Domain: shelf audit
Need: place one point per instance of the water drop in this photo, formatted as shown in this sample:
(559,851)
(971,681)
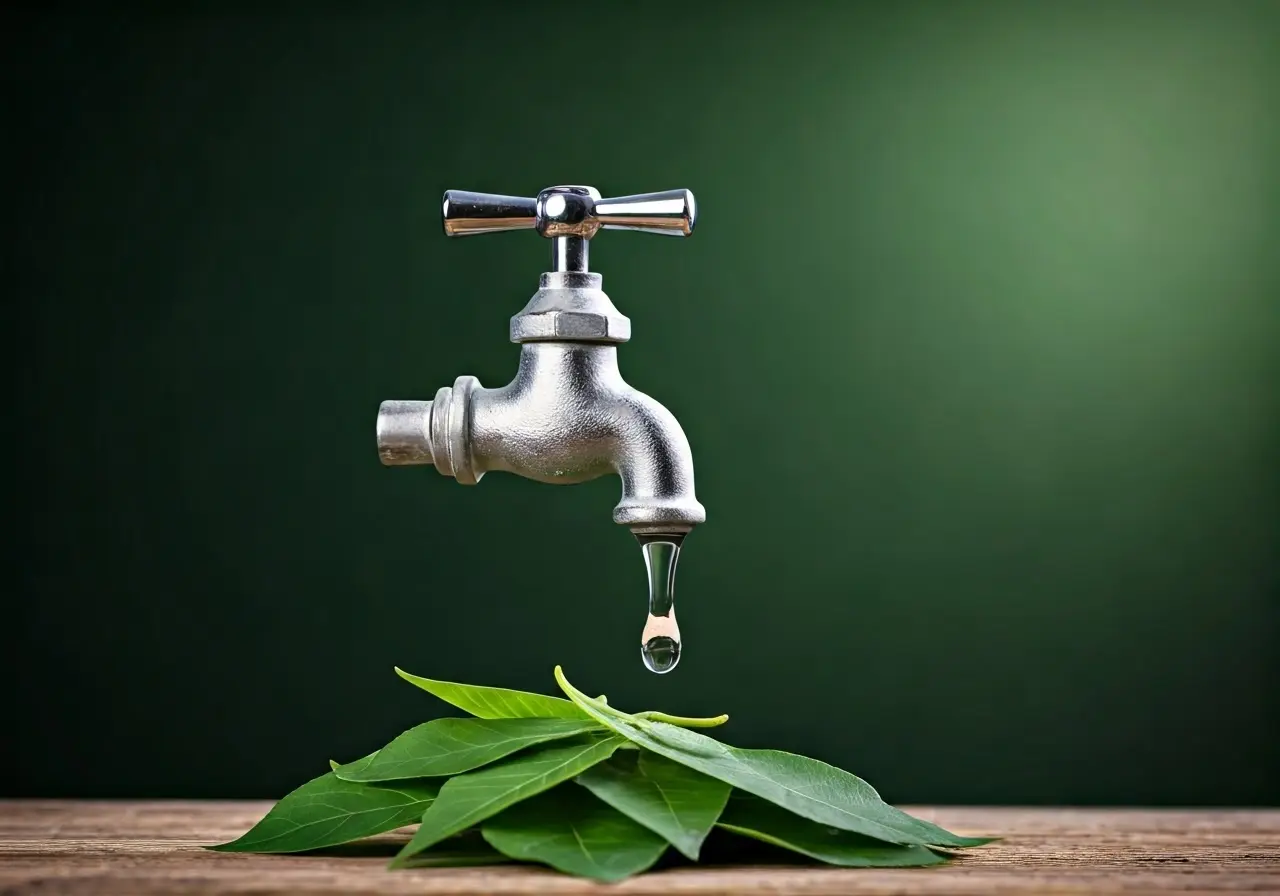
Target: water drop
(660,654)
(660,640)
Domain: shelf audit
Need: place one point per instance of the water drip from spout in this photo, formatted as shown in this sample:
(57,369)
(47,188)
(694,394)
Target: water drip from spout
(660,640)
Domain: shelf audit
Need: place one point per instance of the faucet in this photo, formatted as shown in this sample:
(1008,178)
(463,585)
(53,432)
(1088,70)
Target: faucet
(568,416)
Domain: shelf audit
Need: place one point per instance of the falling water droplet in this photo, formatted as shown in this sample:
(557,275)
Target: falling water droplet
(660,640)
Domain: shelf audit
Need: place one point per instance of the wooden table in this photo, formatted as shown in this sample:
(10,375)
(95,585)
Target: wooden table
(135,849)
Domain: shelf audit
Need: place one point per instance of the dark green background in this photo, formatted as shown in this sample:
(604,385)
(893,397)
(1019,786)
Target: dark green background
(977,346)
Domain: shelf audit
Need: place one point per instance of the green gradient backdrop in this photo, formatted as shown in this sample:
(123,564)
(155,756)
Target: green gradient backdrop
(977,345)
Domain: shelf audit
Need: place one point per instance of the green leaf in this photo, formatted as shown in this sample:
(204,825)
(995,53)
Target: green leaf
(573,832)
(807,787)
(327,811)
(666,797)
(453,746)
(753,817)
(496,703)
(471,798)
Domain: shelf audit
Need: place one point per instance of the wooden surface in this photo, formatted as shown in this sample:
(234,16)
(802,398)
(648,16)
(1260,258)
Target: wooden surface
(146,848)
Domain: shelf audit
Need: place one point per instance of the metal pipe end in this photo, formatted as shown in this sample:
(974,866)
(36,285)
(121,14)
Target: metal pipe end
(404,433)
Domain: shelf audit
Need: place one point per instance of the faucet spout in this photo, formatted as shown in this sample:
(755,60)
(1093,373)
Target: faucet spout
(567,417)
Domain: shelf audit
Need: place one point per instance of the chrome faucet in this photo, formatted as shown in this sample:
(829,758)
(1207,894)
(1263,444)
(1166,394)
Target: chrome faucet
(568,416)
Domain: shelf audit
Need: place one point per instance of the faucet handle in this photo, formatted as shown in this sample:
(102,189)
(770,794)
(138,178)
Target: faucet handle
(467,213)
(569,215)
(670,213)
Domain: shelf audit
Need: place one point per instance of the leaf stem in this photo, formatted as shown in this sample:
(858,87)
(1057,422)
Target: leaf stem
(653,715)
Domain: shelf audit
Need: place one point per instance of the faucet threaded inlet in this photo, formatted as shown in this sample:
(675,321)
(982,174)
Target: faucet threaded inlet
(404,433)
(434,432)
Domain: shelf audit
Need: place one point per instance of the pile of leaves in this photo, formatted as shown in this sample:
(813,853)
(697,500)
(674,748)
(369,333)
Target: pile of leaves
(589,790)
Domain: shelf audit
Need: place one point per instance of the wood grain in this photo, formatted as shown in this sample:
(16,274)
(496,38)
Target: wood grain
(138,849)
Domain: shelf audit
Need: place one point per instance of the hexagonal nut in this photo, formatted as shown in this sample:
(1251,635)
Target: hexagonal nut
(577,326)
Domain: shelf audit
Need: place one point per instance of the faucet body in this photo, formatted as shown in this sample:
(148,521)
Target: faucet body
(568,416)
